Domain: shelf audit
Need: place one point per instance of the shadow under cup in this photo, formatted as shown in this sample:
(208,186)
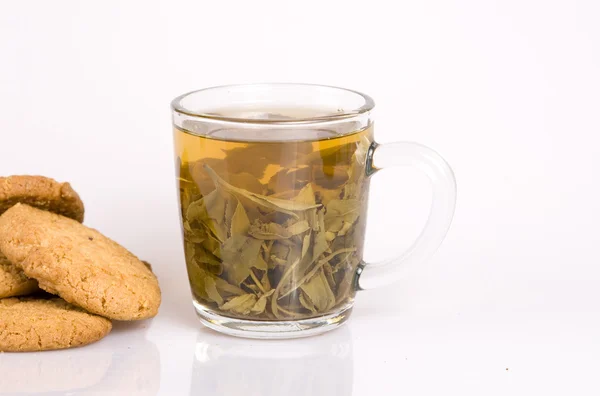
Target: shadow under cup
(273,197)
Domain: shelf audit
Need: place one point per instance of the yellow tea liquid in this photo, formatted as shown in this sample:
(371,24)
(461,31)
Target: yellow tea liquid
(273,230)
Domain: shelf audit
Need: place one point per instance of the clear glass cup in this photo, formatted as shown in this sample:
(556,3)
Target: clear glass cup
(274,182)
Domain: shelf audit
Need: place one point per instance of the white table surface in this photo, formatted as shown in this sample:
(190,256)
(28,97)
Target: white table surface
(437,338)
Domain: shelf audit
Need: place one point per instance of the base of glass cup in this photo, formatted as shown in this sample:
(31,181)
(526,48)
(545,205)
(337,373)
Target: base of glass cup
(284,329)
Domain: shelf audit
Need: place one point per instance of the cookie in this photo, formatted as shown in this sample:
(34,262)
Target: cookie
(79,264)
(13,281)
(147,264)
(36,324)
(41,192)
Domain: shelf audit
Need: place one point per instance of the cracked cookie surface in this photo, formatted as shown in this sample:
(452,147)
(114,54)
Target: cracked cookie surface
(79,264)
(13,281)
(36,324)
(41,192)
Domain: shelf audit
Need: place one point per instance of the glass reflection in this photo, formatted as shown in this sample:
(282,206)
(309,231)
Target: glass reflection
(313,366)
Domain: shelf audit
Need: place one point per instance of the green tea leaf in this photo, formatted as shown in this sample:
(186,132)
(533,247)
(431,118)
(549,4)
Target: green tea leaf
(212,244)
(351,190)
(230,208)
(250,252)
(298,228)
(197,277)
(233,244)
(189,250)
(207,260)
(279,252)
(294,254)
(260,263)
(310,274)
(257,282)
(271,231)
(268,231)
(324,195)
(357,170)
(266,249)
(306,303)
(214,205)
(320,244)
(343,261)
(252,287)
(209,211)
(342,208)
(328,271)
(306,195)
(286,242)
(330,236)
(341,214)
(286,178)
(239,222)
(240,304)
(318,293)
(345,285)
(284,279)
(211,290)
(282,205)
(311,217)
(345,228)
(201,179)
(266,283)
(278,260)
(196,211)
(321,220)
(186,193)
(226,288)
(239,254)
(305,244)
(261,304)
(362,149)
(190,234)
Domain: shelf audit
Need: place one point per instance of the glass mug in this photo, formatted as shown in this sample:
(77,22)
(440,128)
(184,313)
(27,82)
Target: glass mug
(273,182)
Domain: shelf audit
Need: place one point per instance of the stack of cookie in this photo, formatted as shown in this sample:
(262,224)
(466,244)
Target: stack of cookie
(45,248)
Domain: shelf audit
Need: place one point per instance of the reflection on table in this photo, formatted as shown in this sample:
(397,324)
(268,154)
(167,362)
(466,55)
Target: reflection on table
(313,366)
(125,366)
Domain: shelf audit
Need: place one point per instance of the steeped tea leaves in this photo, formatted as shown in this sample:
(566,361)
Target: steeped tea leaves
(274,231)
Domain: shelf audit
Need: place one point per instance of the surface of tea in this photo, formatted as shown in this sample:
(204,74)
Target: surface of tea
(273,230)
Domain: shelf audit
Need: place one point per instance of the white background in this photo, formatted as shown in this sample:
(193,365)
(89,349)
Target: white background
(507,91)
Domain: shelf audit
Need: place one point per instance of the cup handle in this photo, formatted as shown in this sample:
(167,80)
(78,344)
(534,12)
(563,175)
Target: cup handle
(371,275)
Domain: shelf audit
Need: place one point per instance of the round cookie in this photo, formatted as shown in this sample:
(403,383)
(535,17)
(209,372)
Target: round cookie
(35,324)
(13,281)
(147,264)
(41,192)
(79,264)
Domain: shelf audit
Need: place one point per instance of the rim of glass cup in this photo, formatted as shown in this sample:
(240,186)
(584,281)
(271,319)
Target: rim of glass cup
(367,105)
